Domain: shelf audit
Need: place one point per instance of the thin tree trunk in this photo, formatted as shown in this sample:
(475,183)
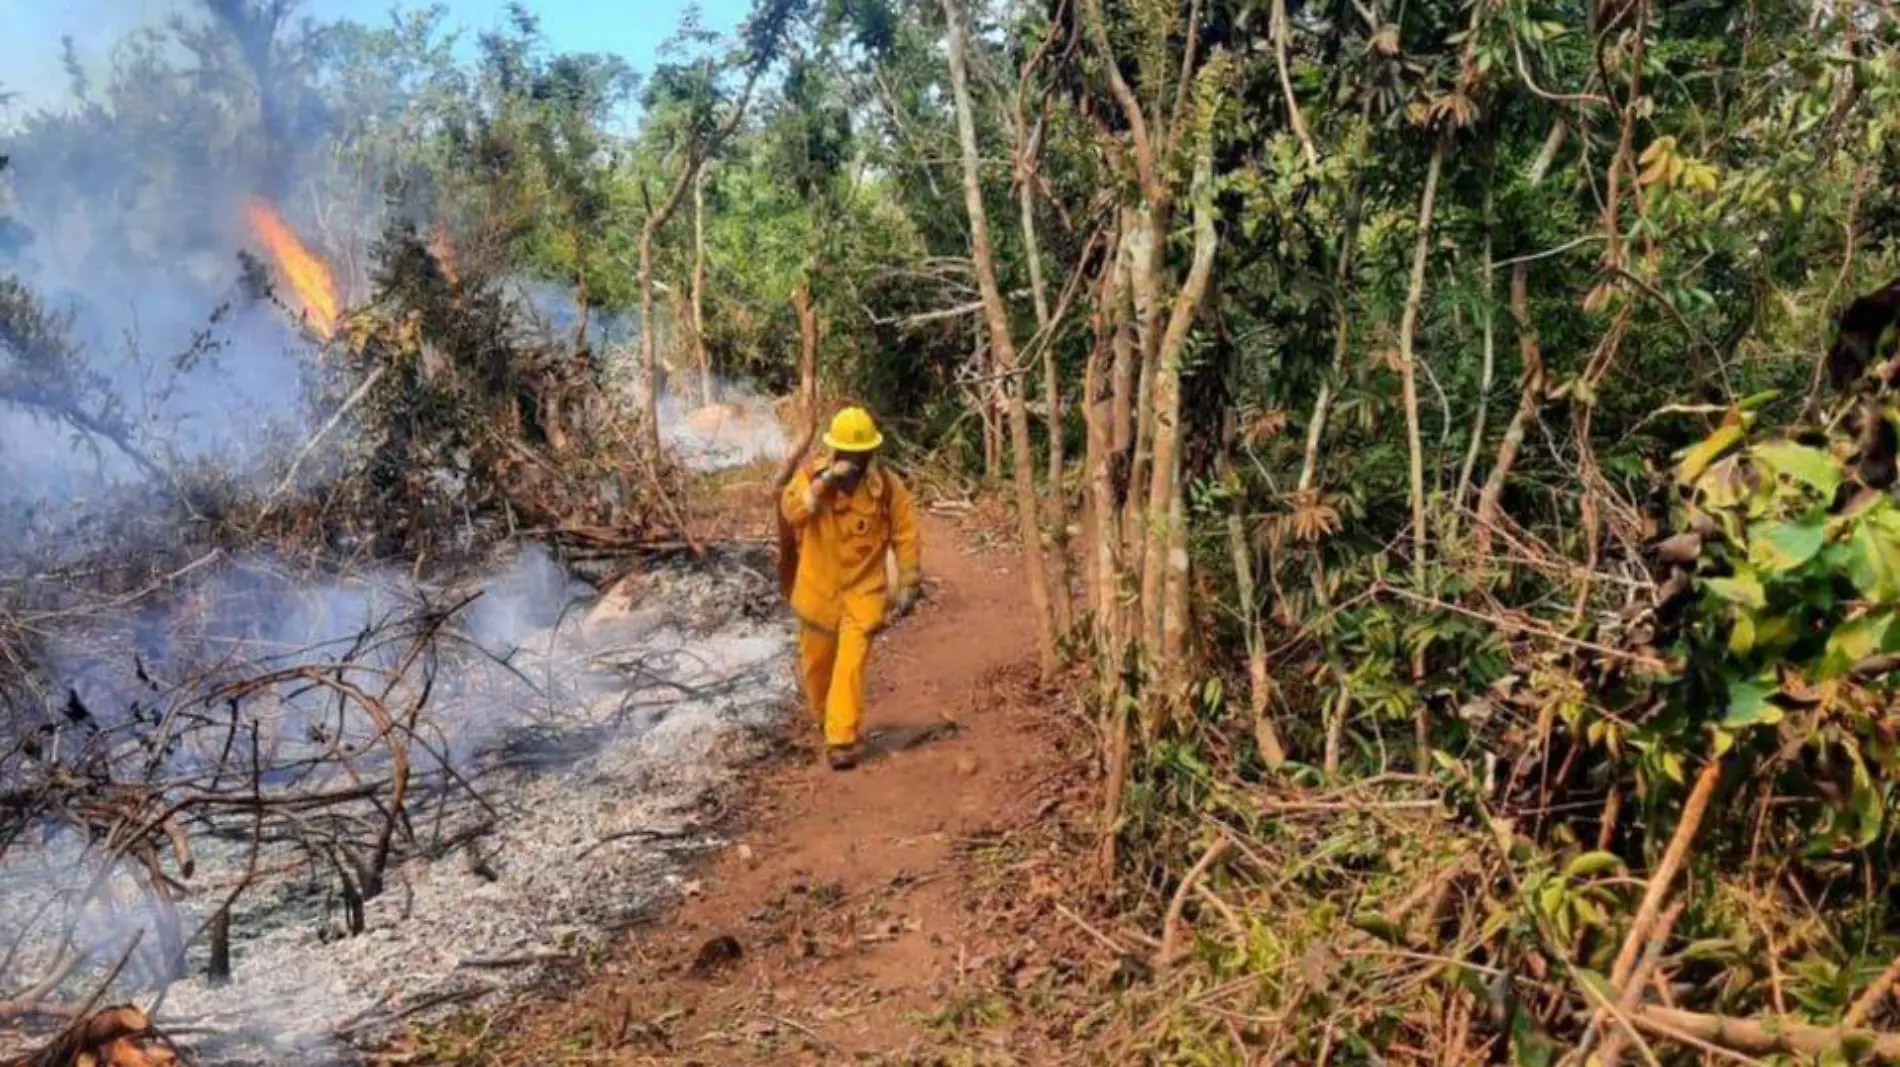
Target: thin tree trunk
(1486,375)
(997,317)
(808,338)
(1530,394)
(1052,396)
(649,354)
(1294,119)
(1105,536)
(657,217)
(1532,380)
(1164,488)
(1111,318)
(1342,334)
(581,298)
(1240,550)
(700,355)
(1150,244)
(1122,421)
(1408,366)
(1105,579)
(1176,609)
(1135,525)
(985,398)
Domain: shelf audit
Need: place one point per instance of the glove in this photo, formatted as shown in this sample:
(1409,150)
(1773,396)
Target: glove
(841,471)
(906,599)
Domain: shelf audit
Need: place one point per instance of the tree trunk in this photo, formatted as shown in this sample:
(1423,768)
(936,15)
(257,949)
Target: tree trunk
(1408,369)
(1122,415)
(657,217)
(997,317)
(581,298)
(808,415)
(808,342)
(700,356)
(649,355)
(1143,298)
(1342,335)
(1114,454)
(1530,393)
(1164,486)
(985,400)
(1246,590)
(1098,413)
(1177,609)
(1486,375)
(1052,396)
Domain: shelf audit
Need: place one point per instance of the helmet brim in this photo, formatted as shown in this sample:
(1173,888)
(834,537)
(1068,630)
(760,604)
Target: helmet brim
(876,442)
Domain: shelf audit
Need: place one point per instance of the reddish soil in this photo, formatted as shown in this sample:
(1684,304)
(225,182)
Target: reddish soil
(864,916)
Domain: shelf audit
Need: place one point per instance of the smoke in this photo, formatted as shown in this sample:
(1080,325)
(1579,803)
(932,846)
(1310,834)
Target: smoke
(550,732)
(130,156)
(122,210)
(739,428)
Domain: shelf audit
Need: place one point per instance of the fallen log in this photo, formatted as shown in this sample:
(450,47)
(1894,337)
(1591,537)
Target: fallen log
(113,1037)
(1767,1036)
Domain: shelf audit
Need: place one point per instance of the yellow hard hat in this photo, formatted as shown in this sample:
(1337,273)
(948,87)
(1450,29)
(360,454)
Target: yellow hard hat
(853,431)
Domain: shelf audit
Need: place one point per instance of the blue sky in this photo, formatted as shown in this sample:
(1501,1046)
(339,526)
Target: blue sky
(30,30)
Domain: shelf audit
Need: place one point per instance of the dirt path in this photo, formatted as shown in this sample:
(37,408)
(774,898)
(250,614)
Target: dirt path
(843,923)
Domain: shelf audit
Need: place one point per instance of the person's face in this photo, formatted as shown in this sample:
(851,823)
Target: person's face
(860,461)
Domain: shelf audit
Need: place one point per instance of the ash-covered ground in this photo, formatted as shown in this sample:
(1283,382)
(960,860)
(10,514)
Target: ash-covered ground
(579,765)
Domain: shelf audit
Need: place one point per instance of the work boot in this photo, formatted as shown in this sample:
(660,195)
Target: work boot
(842,757)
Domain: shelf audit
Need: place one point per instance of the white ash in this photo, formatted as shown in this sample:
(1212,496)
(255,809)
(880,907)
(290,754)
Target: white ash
(599,792)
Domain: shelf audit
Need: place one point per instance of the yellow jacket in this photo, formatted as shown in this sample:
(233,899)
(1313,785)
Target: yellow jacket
(843,541)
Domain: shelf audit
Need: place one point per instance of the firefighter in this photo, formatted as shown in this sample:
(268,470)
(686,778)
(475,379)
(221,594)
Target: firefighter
(859,559)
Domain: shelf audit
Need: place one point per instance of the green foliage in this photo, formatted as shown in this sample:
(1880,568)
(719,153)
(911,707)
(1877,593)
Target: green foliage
(1800,598)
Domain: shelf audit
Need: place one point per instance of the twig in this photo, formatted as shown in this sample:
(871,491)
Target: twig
(801,1028)
(290,476)
(1629,999)
(1505,622)
(1765,1037)
(1673,856)
(523,959)
(1171,925)
(1864,1005)
(1106,941)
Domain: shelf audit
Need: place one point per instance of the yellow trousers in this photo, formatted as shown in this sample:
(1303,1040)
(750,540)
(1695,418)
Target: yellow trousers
(831,666)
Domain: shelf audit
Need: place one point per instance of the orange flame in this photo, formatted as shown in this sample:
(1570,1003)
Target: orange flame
(306,275)
(444,252)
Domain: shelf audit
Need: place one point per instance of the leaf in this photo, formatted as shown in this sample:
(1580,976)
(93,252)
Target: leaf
(1380,927)
(1672,766)
(1744,589)
(1820,471)
(1697,457)
(1591,864)
(1656,170)
(1785,546)
(1852,642)
(1588,913)
(1865,802)
(1748,704)
(1742,638)
(1710,948)
(1724,740)
(1597,982)
(1873,561)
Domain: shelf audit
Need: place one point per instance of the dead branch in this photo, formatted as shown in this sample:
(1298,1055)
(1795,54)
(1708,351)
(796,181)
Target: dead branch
(1766,1036)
